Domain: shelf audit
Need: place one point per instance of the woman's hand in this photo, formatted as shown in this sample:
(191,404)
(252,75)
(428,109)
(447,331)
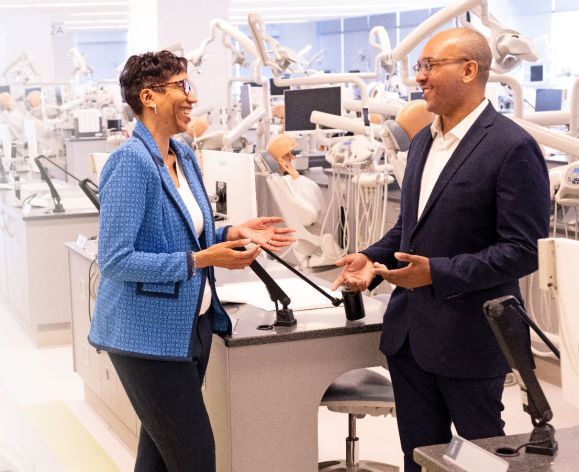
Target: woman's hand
(260,231)
(224,255)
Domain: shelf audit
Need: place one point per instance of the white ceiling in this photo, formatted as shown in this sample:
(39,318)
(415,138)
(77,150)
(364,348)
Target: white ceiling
(284,11)
(114,14)
(75,14)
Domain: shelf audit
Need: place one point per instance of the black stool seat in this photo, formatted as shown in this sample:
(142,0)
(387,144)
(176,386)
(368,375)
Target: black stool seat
(358,393)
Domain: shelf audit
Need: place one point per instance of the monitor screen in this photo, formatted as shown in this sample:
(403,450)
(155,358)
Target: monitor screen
(548,99)
(4,88)
(275,90)
(246,101)
(299,105)
(58,95)
(416,95)
(230,177)
(536,73)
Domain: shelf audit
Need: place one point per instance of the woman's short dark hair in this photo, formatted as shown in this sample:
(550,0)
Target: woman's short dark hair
(144,70)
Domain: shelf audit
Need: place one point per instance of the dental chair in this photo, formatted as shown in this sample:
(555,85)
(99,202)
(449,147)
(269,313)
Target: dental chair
(300,201)
(358,393)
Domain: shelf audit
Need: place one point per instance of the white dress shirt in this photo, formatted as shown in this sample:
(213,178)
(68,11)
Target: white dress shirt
(441,151)
(197,217)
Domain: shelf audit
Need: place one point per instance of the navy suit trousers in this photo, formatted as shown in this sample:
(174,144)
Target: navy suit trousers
(427,404)
(176,434)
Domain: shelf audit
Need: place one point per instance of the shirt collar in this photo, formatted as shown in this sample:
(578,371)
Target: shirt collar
(460,130)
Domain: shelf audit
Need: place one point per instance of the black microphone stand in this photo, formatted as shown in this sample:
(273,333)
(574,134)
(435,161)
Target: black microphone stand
(542,440)
(58,208)
(284,315)
(89,188)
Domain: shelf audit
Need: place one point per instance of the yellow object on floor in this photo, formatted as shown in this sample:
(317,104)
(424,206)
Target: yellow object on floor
(68,439)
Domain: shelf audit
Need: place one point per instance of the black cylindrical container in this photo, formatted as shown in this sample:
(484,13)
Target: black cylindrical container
(353,304)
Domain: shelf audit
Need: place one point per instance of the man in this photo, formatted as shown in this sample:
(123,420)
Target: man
(474,202)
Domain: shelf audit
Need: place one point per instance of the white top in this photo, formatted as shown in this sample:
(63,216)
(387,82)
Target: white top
(197,217)
(441,151)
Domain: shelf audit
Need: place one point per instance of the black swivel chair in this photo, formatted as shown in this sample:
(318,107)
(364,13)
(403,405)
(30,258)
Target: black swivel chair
(358,393)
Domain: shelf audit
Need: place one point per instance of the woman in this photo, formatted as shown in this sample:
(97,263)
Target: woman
(156,307)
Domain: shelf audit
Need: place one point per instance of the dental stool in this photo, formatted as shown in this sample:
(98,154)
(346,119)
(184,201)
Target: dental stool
(359,393)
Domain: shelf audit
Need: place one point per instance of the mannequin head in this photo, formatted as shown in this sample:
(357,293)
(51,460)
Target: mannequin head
(6,101)
(414,116)
(197,126)
(376,118)
(34,99)
(280,148)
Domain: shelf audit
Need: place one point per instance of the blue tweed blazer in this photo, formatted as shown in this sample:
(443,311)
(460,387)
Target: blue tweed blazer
(149,297)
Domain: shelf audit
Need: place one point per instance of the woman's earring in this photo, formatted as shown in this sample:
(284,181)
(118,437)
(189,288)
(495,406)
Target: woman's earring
(155,108)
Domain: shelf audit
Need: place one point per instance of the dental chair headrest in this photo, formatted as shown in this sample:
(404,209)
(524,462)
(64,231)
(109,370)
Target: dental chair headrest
(397,135)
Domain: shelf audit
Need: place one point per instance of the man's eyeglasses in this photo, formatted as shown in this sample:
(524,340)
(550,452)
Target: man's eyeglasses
(427,64)
(184,85)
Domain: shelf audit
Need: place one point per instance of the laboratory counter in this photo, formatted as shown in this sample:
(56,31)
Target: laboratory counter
(262,388)
(33,266)
(566,459)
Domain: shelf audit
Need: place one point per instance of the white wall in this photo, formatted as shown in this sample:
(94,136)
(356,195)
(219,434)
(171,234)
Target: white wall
(188,23)
(27,33)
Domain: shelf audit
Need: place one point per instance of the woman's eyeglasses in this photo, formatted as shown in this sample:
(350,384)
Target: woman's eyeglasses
(184,85)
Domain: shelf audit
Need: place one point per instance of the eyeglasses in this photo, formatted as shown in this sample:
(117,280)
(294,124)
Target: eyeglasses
(184,85)
(427,64)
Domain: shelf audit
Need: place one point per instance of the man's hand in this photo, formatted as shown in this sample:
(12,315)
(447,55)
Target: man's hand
(357,272)
(415,274)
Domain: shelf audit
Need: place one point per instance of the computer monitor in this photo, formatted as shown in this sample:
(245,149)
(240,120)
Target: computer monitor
(299,105)
(58,95)
(274,90)
(5,141)
(416,95)
(536,73)
(30,138)
(548,99)
(4,88)
(230,177)
(245,100)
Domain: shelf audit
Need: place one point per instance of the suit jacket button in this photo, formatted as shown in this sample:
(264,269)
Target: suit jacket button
(412,249)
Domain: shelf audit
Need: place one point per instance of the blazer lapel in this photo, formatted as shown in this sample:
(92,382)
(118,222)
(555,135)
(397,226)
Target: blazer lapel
(142,133)
(466,146)
(413,182)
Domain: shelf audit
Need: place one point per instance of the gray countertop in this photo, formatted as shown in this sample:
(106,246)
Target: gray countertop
(68,192)
(311,324)
(565,460)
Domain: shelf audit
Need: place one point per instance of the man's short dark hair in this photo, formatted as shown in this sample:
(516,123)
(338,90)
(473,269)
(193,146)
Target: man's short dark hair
(143,70)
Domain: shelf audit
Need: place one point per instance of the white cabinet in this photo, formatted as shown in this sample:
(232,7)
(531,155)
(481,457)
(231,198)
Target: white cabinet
(103,388)
(33,268)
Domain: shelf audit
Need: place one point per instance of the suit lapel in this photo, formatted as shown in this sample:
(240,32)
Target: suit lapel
(414,180)
(142,133)
(466,146)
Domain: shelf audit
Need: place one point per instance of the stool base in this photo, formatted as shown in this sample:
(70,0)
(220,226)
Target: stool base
(363,466)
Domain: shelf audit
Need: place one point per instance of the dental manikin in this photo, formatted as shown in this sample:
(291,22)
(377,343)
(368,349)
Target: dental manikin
(302,204)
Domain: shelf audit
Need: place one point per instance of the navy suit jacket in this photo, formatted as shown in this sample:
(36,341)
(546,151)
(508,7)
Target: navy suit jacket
(479,229)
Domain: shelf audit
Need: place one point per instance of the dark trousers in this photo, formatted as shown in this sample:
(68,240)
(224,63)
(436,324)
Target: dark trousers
(176,435)
(427,404)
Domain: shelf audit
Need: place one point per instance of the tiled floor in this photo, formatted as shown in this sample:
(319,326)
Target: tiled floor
(33,375)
